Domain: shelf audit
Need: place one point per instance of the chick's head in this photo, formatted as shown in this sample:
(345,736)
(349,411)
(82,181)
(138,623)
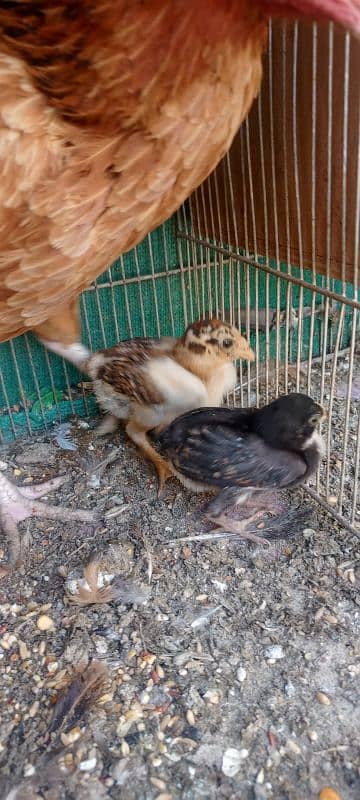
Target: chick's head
(290,422)
(218,341)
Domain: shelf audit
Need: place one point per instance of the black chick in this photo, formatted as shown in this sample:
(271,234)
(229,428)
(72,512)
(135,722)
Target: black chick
(239,452)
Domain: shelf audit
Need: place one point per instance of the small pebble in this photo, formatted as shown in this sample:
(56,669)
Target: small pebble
(327,793)
(312,736)
(308,533)
(72,736)
(260,776)
(293,747)
(125,749)
(192,732)
(44,623)
(24,651)
(29,770)
(164,796)
(88,765)
(190,717)
(323,699)
(275,652)
(290,690)
(241,674)
(231,762)
(212,697)
(34,708)
(158,783)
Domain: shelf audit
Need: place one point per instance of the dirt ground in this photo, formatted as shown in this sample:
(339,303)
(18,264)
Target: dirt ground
(233,669)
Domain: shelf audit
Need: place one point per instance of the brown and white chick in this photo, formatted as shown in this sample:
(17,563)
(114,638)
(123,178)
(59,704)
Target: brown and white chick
(147,383)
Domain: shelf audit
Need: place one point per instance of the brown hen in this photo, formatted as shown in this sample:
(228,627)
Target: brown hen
(111,113)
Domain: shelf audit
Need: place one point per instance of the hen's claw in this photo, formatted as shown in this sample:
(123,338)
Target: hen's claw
(20,502)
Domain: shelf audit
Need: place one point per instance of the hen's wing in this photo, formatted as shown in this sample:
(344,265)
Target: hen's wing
(220,456)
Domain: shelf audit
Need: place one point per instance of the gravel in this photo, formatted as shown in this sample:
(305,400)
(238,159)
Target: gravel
(234,675)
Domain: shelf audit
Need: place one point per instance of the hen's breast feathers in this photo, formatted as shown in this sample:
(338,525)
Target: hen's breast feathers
(222,455)
(110,115)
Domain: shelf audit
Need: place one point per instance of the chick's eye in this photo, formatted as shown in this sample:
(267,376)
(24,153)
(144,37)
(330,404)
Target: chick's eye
(227,343)
(314,419)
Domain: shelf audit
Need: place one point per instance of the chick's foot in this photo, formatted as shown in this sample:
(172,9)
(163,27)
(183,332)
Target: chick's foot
(240,526)
(164,473)
(267,501)
(20,502)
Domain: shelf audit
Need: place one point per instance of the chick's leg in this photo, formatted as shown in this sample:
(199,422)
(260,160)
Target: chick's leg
(109,424)
(139,437)
(240,526)
(20,502)
(227,497)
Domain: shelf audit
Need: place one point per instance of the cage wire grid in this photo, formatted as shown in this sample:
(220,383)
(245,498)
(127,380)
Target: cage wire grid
(303,326)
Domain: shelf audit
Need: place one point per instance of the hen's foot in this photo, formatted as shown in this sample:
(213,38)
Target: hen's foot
(20,502)
(240,526)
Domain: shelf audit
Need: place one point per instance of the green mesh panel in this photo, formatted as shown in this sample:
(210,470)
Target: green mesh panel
(136,298)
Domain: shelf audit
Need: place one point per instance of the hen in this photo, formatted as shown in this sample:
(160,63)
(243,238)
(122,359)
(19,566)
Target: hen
(149,382)
(111,113)
(242,452)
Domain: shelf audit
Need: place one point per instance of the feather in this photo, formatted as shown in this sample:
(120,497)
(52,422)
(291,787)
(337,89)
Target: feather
(88,592)
(82,692)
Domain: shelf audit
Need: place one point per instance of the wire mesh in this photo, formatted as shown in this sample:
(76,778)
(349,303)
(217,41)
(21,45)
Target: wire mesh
(237,249)
(304,326)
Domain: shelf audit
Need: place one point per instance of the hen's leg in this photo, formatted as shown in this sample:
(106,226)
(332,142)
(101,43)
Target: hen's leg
(61,334)
(139,437)
(20,502)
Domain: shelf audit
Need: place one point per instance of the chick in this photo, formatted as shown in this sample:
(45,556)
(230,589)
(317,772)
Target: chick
(149,382)
(239,452)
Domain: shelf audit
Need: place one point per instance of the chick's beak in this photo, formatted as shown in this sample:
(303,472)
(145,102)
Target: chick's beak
(245,352)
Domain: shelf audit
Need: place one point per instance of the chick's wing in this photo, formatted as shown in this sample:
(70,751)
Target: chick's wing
(124,369)
(220,456)
(175,435)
